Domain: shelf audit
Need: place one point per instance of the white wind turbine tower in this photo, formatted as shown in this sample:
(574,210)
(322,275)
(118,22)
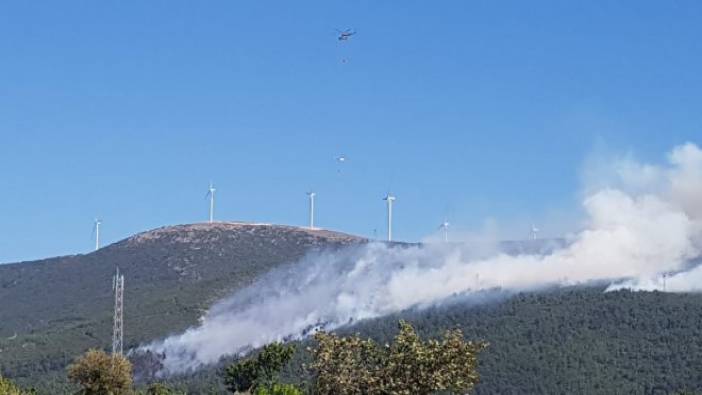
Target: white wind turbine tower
(311,195)
(390,199)
(444,226)
(96,230)
(534,231)
(211,195)
(665,278)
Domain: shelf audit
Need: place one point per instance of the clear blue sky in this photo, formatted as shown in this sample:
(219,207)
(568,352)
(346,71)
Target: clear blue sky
(471,109)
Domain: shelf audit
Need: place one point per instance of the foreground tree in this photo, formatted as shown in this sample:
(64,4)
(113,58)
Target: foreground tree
(161,389)
(7,387)
(101,374)
(350,365)
(278,389)
(346,365)
(260,373)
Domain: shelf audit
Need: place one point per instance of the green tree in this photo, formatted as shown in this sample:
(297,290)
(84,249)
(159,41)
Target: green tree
(161,389)
(278,389)
(7,387)
(350,365)
(346,365)
(101,374)
(417,367)
(260,370)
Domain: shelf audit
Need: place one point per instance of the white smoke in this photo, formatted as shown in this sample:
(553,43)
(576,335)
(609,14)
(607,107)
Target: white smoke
(645,223)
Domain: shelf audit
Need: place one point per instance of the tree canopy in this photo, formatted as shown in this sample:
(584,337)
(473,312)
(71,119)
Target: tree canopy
(98,373)
(7,387)
(259,371)
(351,365)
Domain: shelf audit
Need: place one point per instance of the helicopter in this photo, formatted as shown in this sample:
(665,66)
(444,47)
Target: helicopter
(345,34)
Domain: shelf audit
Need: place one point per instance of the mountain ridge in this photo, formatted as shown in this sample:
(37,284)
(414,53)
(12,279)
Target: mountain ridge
(63,305)
(542,342)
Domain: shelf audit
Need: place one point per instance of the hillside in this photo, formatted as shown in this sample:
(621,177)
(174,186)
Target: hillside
(562,340)
(576,340)
(56,308)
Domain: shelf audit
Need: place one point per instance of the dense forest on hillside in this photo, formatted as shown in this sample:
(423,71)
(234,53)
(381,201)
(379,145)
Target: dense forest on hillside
(560,340)
(571,340)
(578,340)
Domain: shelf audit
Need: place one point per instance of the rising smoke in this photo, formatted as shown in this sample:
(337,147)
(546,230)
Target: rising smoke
(644,223)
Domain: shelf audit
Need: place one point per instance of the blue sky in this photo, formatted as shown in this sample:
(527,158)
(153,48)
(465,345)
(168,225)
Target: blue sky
(465,109)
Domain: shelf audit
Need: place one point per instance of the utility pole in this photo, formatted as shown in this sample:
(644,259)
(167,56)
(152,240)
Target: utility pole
(117,327)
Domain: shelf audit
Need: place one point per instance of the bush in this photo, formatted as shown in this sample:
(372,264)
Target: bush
(7,387)
(261,370)
(350,365)
(161,389)
(99,373)
(278,389)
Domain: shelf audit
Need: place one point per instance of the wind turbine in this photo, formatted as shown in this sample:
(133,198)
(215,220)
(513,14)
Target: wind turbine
(665,279)
(390,199)
(211,195)
(445,225)
(534,231)
(96,230)
(311,195)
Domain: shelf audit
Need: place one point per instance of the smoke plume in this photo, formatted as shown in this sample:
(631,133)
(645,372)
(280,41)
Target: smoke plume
(643,228)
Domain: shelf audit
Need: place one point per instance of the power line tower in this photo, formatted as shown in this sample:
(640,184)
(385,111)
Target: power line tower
(117,328)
